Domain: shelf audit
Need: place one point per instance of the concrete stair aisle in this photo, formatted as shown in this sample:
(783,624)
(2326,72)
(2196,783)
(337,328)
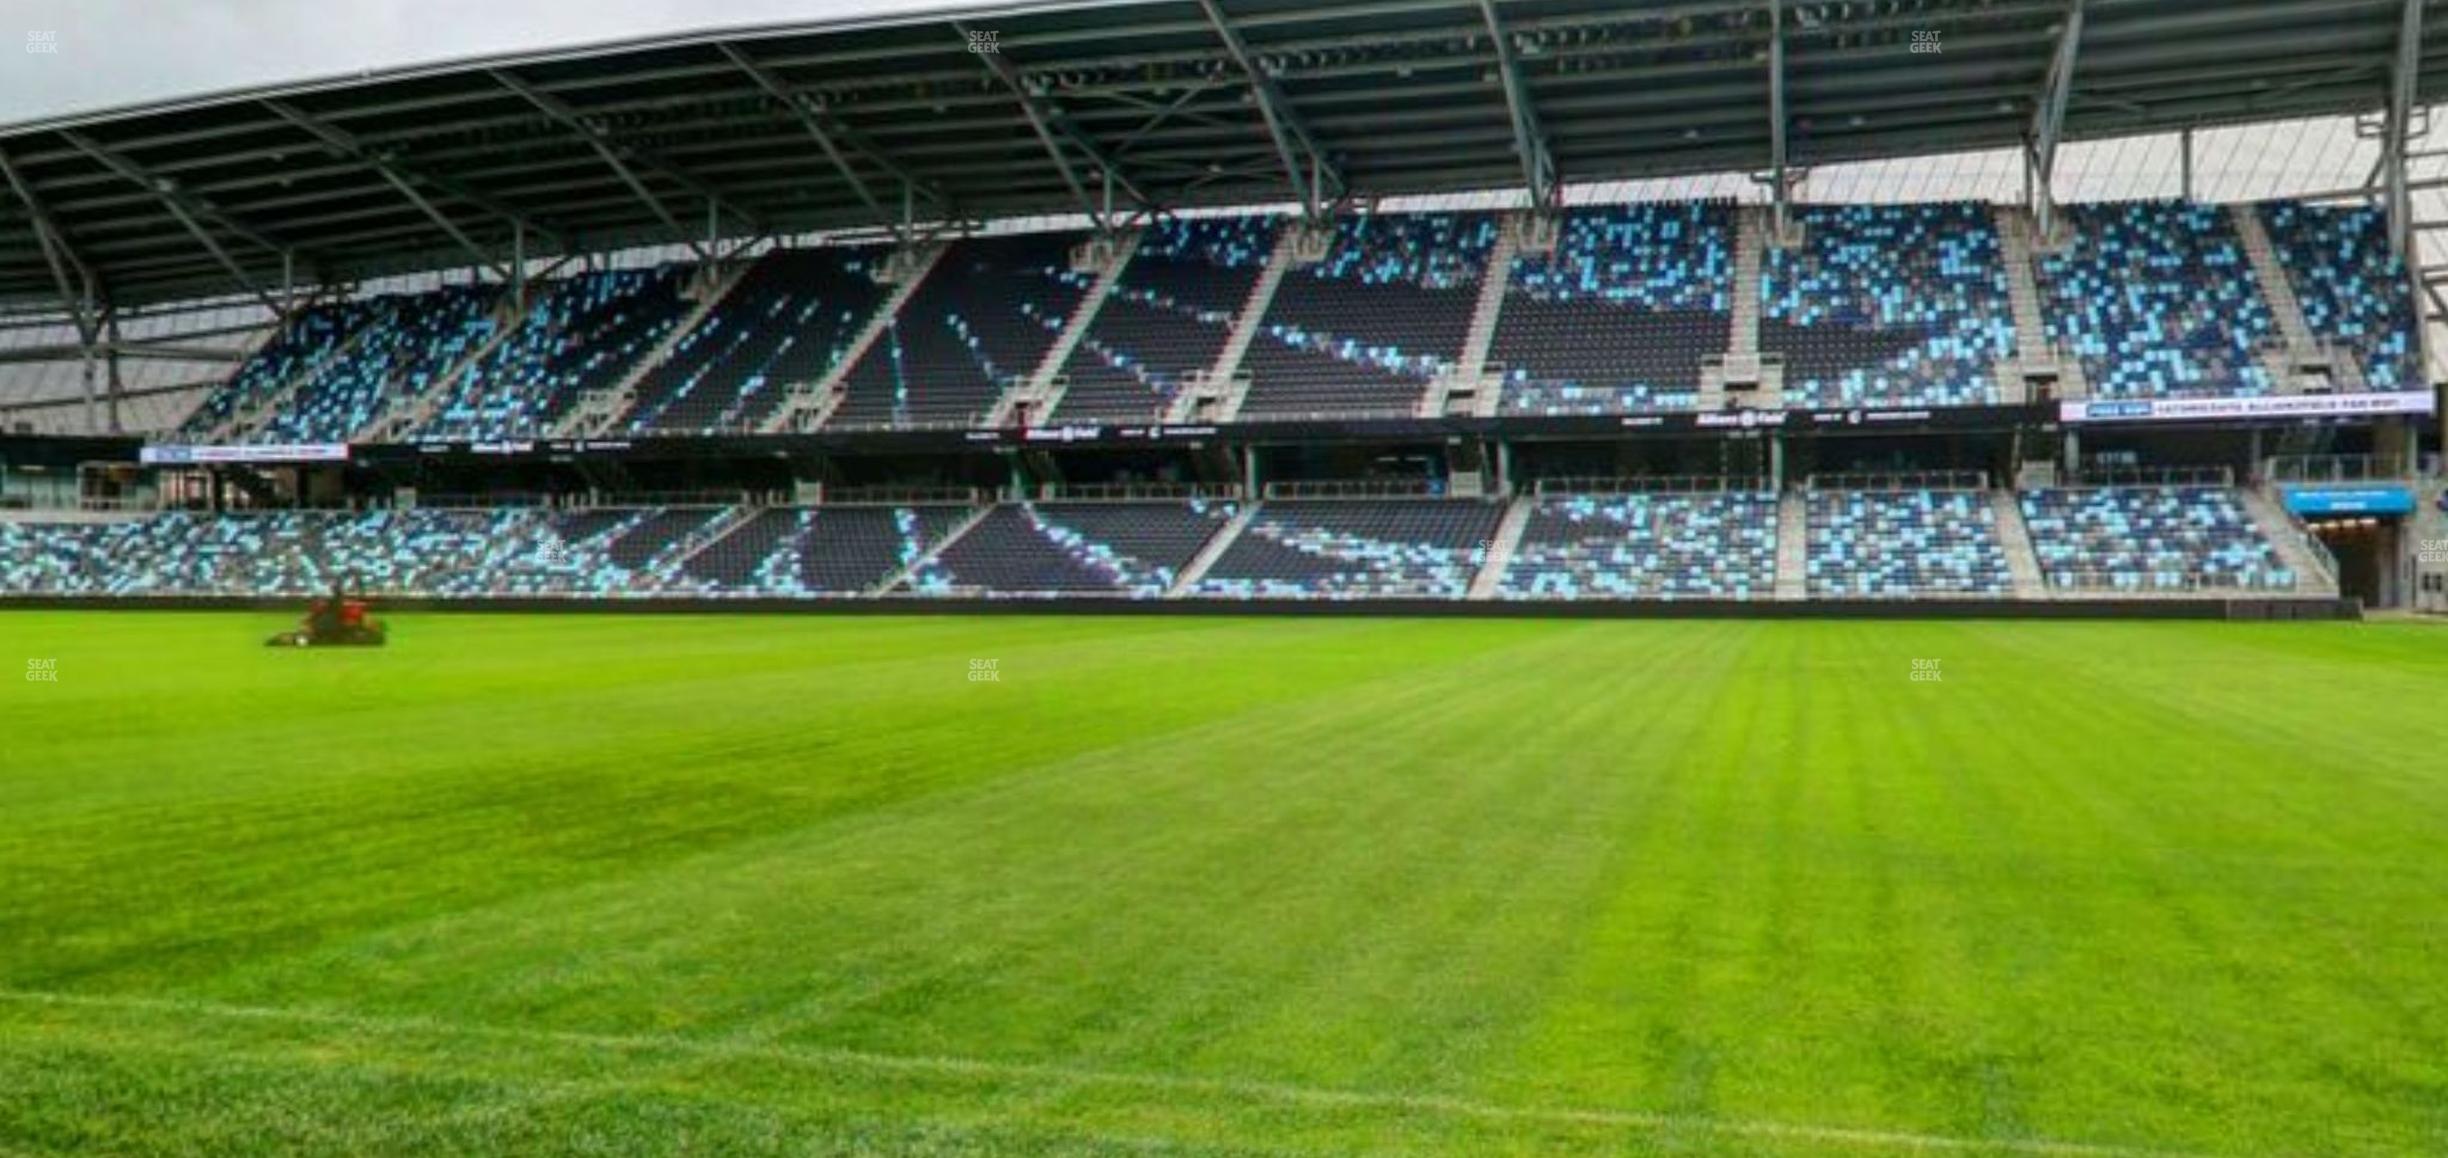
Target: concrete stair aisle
(1500,549)
(2014,537)
(2034,352)
(807,407)
(2270,273)
(1214,549)
(599,410)
(1222,380)
(2315,570)
(1792,548)
(1468,375)
(411,413)
(1750,245)
(2302,347)
(928,556)
(1044,389)
(2014,229)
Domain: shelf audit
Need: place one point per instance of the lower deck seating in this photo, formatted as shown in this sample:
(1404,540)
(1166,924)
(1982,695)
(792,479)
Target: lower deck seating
(510,551)
(1044,549)
(1646,546)
(1911,544)
(2150,540)
(1901,544)
(1356,549)
(817,552)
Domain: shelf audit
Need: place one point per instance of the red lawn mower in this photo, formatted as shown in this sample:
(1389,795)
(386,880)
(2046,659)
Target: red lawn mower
(337,620)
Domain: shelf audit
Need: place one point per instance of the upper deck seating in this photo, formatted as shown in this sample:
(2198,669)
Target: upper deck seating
(2158,300)
(1888,305)
(581,333)
(1364,331)
(1619,318)
(405,349)
(2353,290)
(790,318)
(981,322)
(1167,316)
(314,336)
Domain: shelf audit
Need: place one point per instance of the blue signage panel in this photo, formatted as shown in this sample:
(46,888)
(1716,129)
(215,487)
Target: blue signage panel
(2372,500)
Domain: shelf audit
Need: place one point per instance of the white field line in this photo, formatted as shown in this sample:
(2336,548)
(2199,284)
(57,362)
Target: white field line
(1280,1092)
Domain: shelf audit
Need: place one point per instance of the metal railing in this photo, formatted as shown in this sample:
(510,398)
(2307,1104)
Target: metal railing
(1910,480)
(685,498)
(1652,484)
(1136,491)
(973,422)
(2327,468)
(1359,489)
(2149,476)
(900,496)
(1361,415)
(425,501)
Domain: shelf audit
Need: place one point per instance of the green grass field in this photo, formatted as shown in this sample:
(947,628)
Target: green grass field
(1208,886)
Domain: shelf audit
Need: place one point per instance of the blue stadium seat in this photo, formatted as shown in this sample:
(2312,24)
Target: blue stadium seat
(2159,301)
(1619,318)
(1888,305)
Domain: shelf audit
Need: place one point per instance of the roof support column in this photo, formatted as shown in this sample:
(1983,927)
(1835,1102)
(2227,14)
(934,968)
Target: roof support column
(2403,75)
(1781,187)
(1047,124)
(814,125)
(2048,119)
(1538,163)
(604,147)
(118,388)
(58,255)
(2184,146)
(1284,126)
(187,214)
(401,180)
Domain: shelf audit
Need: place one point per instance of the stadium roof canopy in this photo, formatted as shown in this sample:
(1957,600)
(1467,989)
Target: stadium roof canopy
(1119,108)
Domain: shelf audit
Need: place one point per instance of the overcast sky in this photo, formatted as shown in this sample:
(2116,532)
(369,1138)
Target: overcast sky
(115,52)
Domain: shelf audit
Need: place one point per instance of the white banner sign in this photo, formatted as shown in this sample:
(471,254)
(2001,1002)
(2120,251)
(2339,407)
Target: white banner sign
(267,452)
(2273,406)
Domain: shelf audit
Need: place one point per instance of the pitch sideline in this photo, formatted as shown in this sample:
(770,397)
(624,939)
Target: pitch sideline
(1282,1092)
